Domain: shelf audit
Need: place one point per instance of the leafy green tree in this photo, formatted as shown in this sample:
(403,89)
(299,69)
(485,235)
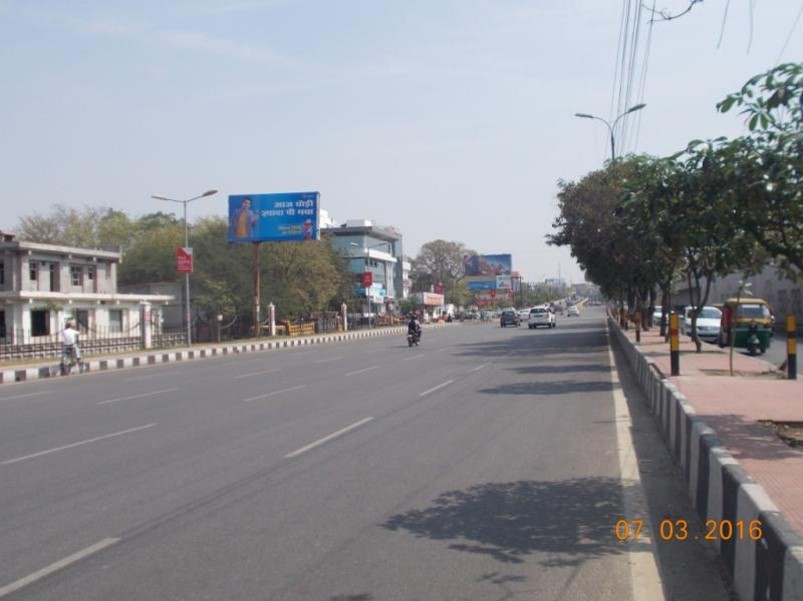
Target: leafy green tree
(765,175)
(153,257)
(442,261)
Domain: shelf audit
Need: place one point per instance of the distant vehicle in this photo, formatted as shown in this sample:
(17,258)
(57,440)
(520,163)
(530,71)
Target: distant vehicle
(656,315)
(510,318)
(572,311)
(524,314)
(707,323)
(540,316)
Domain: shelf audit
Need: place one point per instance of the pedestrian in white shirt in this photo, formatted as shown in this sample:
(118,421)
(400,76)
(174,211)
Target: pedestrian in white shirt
(69,340)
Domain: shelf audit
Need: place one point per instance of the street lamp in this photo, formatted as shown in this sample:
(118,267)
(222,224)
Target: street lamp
(610,127)
(186,245)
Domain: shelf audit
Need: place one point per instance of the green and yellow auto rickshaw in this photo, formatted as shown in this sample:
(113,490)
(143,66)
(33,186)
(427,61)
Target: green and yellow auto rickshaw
(748,321)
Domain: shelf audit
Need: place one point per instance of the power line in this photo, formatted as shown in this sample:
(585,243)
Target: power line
(789,37)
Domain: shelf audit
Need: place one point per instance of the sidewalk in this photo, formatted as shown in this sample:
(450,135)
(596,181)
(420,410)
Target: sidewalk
(736,468)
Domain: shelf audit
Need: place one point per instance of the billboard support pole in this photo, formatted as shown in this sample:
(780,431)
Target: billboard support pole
(255,266)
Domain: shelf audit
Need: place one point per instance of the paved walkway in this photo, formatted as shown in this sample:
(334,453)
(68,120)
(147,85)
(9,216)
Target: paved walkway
(734,407)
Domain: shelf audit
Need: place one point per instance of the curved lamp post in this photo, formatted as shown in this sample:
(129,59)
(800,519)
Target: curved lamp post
(186,245)
(610,126)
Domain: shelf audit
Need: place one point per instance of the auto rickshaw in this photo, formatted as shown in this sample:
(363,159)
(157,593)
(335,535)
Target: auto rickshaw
(749,322)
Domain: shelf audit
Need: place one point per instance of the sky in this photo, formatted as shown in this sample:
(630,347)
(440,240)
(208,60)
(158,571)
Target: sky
(447,119)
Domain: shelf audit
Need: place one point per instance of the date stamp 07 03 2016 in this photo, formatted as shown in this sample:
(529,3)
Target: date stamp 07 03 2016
(678,530)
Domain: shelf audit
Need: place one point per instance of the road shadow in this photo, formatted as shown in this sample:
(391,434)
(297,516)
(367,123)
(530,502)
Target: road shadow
(547,368)
(359,597)
(531,344)
(567,522)
(553,387)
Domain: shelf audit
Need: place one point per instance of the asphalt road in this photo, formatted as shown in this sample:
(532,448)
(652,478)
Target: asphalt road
(482,465)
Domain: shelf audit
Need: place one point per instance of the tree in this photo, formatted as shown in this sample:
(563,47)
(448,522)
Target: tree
(765,175)
(442,261)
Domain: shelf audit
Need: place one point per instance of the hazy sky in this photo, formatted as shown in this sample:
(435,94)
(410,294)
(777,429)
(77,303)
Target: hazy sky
(448,119)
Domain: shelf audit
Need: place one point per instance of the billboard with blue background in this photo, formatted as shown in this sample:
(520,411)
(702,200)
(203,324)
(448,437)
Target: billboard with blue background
(488,272)
(274,217)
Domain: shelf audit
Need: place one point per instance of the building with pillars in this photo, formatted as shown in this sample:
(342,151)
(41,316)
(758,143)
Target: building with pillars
(44,285)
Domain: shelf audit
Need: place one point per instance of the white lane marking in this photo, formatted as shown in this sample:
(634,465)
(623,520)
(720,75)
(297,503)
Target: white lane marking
(136,396)
(164,373)
(438,387)
(257,373)
(359,371)
(411,358)
(54,567)
(76,444)
(27,394)
(479,367)
(325,439)
(644,575)
(274,393)
(328,360)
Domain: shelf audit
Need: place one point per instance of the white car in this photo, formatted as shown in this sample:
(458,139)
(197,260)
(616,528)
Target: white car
(707,323)
(524,314)
(540,316)
(573,311)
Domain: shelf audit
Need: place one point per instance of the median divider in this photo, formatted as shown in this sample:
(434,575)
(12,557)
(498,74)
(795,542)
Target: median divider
(766,563)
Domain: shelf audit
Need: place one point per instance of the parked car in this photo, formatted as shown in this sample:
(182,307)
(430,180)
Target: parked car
(510,317)
(707,323)
(656,315)
(540,316)
(573,311)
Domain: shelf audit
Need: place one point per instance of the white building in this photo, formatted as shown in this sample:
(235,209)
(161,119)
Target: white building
(44,285)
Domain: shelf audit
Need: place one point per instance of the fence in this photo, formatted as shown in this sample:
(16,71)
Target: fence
(97,341)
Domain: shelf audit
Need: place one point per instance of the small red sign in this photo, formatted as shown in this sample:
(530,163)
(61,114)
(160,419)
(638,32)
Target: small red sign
(438,287)
(183,260)
(493,293)
(367,279)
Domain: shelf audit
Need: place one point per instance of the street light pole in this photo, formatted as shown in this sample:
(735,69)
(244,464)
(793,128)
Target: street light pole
(610,126)
(186,245)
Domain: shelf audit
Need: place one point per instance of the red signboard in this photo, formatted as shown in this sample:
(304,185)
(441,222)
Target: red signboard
(183,260)
(493,293)
(438,288)
(367,279)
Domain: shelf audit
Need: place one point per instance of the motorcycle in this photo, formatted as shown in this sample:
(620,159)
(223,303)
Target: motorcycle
(413,338)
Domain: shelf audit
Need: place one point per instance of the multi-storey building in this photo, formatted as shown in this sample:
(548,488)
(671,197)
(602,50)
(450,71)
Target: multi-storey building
(376,250)
(44,285)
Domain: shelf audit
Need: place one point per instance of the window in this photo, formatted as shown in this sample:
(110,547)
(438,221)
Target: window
(2,272)
(40,323)
(34,270)
(116,320)
(90,272)
(76,272)
(54,277)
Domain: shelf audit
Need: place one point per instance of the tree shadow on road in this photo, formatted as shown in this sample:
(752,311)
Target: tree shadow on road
(548,388)
(567,522)
(547,368)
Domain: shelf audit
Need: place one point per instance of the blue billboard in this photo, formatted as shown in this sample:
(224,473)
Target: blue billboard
(274,217)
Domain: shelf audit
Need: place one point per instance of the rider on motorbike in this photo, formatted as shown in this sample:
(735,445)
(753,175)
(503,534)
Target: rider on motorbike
(414,327)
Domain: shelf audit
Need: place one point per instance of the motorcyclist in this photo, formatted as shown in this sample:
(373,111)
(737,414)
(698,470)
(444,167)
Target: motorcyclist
(414,327)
